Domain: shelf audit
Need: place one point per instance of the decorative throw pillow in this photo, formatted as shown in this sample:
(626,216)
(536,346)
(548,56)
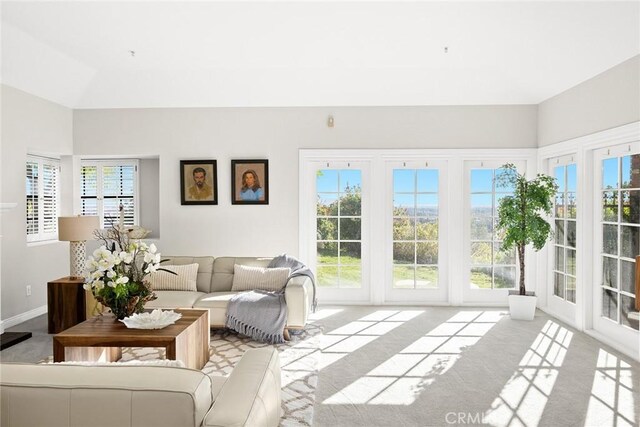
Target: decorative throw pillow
(246,278)
(183,280)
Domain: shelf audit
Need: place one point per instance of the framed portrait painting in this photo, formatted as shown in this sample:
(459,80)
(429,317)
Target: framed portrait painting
(250,182)
(198,182)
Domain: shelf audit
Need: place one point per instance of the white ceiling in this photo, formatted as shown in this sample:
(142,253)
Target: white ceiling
(303,53)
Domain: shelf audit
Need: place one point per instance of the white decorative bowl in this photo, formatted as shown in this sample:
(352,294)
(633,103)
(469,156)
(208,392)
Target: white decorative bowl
(157,319)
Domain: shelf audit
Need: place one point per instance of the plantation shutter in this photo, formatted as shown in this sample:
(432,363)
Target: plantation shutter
(118,185)
(42,182)
(107,185)
(89,190)
(32,199)
(50,199)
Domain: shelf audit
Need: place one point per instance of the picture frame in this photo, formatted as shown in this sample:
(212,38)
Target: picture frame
(198,182)
(250,182)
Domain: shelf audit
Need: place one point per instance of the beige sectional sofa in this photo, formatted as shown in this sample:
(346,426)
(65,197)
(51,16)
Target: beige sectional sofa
(215,277)
(134,396)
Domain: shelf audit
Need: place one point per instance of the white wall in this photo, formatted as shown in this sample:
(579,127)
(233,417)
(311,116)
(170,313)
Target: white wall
(150,196)
(29,124)
(276,134)
(606,101)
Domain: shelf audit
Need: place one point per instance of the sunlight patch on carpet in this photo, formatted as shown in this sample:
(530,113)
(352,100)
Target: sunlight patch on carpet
(524,397)
(401,378)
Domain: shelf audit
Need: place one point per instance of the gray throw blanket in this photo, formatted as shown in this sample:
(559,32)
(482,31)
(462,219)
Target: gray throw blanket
(262,315)
(298,268)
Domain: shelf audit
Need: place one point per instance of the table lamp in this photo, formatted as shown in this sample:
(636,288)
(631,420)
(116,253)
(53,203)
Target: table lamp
(77,230)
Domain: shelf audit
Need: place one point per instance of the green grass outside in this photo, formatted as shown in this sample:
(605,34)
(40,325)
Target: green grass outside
(480,279)
(351,274)
(350,271)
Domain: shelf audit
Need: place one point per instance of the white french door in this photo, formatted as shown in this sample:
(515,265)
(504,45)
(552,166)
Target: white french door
(563,254)
(406,226)
(416,231)
(339,215)
(616,241)
(491,272)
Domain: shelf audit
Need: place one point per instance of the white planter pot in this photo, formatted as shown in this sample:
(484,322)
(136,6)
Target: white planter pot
(522,307)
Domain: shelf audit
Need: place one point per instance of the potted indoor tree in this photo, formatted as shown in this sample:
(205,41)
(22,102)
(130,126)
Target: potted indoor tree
(521,221)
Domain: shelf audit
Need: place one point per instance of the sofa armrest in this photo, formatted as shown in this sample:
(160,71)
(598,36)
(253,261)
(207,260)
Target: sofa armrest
(251,394)
(299,297)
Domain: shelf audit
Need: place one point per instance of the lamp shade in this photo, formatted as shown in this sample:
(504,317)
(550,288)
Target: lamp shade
(77,228)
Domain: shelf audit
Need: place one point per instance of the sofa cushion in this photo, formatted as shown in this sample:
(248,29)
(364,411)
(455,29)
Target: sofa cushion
(67,395)
(248,278)
(174,299)
(205,269)
(217,303)
(223,270)
(184,278)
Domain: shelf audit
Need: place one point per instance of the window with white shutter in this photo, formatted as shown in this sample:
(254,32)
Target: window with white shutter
(42,198)
(105,185)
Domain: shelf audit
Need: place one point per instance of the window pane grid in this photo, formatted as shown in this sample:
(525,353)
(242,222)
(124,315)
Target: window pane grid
(620,222)
(339,222)
(565,233)
(415,228)
(490,267)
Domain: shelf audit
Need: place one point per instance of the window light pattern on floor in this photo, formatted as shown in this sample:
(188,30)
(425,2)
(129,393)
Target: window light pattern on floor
(611,402)
(349,338)
(524,397)
(402,378)
(305,354)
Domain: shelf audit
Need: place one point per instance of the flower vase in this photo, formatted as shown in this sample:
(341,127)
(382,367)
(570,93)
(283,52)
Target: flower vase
(137,295)
(126,309)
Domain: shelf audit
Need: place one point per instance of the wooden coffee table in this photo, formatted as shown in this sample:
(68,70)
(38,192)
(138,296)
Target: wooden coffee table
(101,338)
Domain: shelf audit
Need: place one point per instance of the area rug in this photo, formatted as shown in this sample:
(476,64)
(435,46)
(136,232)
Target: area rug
(298,361)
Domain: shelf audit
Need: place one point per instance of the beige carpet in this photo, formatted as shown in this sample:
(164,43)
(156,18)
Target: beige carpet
(298,361)
(446,366)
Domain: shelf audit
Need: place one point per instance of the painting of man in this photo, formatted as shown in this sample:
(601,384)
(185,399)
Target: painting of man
(198,182)
(200,190)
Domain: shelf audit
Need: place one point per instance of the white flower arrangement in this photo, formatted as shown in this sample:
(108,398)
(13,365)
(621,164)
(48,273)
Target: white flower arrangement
(116,271)
(106,268)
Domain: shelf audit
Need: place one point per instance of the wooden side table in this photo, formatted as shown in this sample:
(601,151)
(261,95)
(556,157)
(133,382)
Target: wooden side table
(68,304)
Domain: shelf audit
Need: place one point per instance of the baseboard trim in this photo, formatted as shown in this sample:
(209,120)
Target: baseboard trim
(561,318)
(22,317)
(629,351)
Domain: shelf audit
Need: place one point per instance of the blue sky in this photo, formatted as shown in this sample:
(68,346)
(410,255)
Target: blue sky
(426,181)
(610,171)
(410,180)
(334,180)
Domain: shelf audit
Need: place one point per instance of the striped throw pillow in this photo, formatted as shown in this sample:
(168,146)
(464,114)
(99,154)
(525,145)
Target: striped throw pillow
(183,280)
(246,278)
